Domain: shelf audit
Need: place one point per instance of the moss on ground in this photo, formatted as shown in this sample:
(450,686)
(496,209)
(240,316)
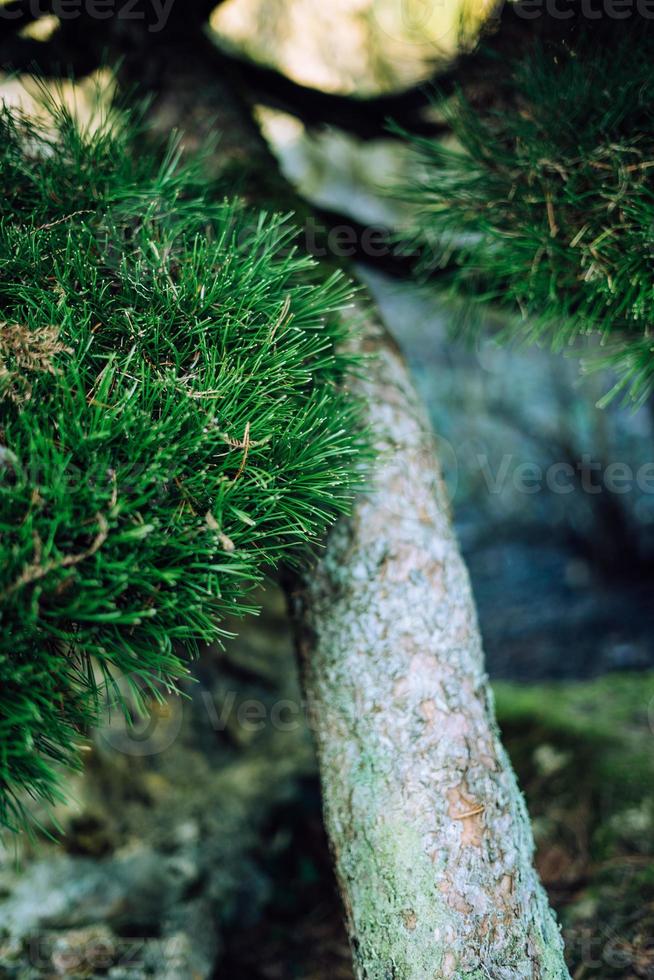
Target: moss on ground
(584,756)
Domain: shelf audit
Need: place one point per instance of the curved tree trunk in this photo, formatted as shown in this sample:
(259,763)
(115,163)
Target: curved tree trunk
(431,839)
(430,835)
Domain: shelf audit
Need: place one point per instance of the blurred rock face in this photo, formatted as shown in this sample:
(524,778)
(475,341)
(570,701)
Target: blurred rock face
(553,497)
(350,45)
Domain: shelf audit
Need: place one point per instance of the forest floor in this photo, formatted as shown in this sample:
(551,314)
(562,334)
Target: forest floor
(194,845)
(584,756)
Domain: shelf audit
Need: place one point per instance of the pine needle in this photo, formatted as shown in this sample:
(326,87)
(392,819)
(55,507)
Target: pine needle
(143,314)
(543,204)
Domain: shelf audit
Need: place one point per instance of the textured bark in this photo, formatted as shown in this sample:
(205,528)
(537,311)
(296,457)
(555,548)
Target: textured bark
(430,835)
(432,842)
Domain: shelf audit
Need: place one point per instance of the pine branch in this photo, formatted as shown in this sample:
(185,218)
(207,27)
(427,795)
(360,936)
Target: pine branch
(545,207)
(172,423)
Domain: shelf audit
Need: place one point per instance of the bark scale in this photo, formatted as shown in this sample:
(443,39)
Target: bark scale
(429,831)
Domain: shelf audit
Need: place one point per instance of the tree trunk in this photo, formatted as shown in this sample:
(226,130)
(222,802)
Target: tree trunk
(431,839)
(429,831)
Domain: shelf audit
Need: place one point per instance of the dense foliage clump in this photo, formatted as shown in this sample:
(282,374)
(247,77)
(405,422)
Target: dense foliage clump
(172,422)
(543,204)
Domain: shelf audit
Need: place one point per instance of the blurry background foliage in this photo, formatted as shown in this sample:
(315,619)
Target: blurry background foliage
(362,46)
(347,46)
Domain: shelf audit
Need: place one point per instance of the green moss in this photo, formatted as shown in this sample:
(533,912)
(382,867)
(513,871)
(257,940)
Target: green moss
(583,753)
(603,729)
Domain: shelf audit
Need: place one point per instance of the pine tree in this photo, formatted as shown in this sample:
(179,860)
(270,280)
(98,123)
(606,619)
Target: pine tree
(387,609)
(543,203)
(173,422)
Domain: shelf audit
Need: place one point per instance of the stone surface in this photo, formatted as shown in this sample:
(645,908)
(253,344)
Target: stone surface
(159,850)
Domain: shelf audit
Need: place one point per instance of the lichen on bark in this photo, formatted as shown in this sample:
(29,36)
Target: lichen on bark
(430,834)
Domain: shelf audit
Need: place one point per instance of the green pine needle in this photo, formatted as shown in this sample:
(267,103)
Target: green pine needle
(544,205)
(173,422)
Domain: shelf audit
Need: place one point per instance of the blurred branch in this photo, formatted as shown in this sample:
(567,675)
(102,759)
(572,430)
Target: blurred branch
(53,59)
(373,245)
(334,234)
(366,118)
(478,71)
